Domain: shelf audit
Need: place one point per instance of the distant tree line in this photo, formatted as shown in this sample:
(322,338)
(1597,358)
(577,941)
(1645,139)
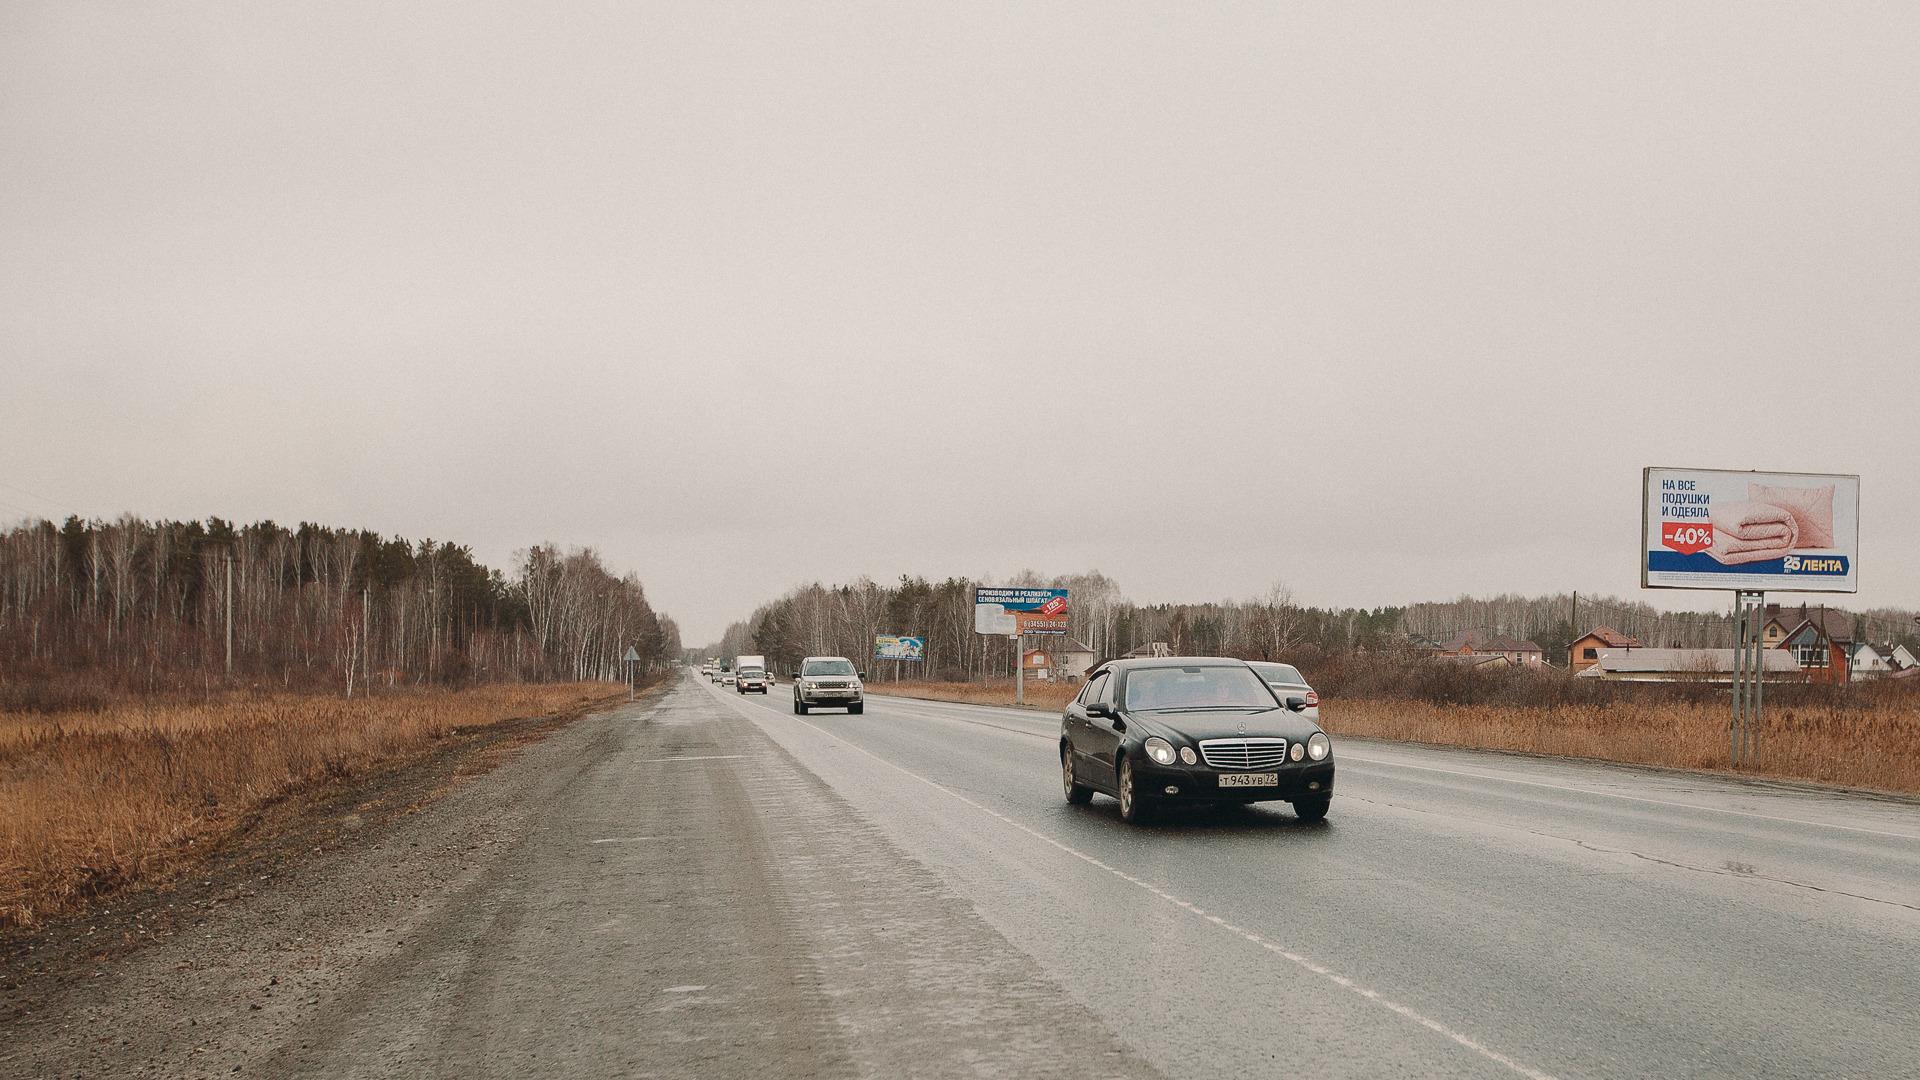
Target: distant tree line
(148,605)
(843,619)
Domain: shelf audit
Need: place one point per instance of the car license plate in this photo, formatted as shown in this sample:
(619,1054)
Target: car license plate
(1249,779)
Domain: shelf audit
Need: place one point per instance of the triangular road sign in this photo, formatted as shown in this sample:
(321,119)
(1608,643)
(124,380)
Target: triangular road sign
(633,655)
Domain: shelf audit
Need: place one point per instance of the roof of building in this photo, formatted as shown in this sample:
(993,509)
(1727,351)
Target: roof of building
(1471,659)
(1704,661)
(1465,640)
(1151,648)
(1503,644)
(1612,638)
(1838,624)
(1074,644)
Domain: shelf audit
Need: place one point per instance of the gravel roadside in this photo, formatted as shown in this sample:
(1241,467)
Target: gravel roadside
(654,890)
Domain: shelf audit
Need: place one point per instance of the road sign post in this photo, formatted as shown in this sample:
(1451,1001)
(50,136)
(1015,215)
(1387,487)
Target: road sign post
(632,658)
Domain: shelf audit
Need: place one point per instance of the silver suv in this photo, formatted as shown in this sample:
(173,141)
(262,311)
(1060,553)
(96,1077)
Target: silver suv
(829,681)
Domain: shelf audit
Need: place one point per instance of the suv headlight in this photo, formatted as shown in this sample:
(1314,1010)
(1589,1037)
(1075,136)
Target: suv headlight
(1319,747)
(1160,750)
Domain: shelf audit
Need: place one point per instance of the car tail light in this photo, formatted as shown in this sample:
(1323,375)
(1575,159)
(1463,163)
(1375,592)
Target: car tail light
(1313,698)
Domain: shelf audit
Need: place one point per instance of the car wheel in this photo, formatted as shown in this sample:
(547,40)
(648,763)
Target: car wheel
(1078,793)
(1135,809)
(1311,810)
(856,708)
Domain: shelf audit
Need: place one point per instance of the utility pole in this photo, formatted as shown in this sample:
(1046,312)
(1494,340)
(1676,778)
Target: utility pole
(366,638)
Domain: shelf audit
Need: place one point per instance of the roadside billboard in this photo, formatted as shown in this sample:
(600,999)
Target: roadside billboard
(1020,611)
(1769,532)
(896,647)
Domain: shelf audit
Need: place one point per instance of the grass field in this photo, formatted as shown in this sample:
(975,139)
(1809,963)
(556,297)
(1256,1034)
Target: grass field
(1042,695)
(1858,746)
(1865,745)
(96,800)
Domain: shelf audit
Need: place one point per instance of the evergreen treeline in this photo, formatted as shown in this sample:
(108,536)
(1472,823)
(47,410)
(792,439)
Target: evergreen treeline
(843,619)
(146,605)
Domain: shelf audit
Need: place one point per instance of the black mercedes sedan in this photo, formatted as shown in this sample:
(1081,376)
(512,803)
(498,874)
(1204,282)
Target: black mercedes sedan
(1191,729)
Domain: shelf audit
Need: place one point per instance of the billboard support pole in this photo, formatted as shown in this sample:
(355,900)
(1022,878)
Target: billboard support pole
(1749,671)
(1019,670)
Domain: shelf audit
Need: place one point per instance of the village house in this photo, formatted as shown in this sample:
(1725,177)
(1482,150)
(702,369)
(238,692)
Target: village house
(1037,664)
(1585,650)
(1819,639)
(1871,661)
(1478,643)
(1073,659)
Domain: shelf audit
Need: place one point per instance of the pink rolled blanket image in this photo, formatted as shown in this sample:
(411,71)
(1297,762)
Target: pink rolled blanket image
(1745,532)
(1811,507)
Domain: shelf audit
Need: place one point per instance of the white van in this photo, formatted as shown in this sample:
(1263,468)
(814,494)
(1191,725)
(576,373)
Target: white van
(750,673)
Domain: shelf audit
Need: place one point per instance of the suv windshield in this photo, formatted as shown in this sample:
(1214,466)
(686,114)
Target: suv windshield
(827,667)
(752,672)
(1161,689)
(1280,673)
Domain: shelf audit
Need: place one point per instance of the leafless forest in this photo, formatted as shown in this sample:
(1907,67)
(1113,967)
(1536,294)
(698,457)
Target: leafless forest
(133,605)
(842,620)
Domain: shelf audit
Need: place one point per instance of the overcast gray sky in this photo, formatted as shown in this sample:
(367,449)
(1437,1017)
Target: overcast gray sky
(1389,301)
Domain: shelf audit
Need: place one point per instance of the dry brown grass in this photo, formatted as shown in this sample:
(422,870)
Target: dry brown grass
(1858,740)
(96,800)
(1864,747)
(1042,695)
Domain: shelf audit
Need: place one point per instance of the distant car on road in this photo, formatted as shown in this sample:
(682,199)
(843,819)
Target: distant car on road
(726,678)
(1194,730)
(1287,682)
(751,678)
(829,681)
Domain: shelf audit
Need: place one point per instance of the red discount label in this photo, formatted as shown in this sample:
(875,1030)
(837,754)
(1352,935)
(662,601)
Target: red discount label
(1054,606)
(1686,537)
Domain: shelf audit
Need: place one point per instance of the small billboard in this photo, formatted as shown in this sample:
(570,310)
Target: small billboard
(897,647)
(1020,611)
(1767,532)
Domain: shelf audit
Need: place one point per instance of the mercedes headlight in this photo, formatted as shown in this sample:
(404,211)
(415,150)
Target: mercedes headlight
(1160,750)
(1319,747)
(1298,751)
(1187,755)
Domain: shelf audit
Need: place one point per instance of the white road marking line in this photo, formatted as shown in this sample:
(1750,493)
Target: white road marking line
(707,757)
(1327,973)
(683,989)
(1630,798)
(937,714)
(623,839)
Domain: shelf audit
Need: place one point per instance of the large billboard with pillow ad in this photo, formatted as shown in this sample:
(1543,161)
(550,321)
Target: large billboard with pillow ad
(1771,532)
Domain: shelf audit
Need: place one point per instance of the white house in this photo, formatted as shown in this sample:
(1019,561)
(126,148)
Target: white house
(1878,661)
(1872,661)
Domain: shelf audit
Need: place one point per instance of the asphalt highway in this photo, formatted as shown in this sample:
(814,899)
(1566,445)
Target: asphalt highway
(700,884)
(1459,913)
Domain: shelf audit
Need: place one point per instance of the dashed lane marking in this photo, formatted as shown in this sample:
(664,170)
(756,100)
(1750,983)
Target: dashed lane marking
(1345,983)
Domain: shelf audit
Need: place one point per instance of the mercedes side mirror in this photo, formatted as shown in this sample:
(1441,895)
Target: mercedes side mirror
(1099,708)
(1297,704)
(859,674)
(793,674)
